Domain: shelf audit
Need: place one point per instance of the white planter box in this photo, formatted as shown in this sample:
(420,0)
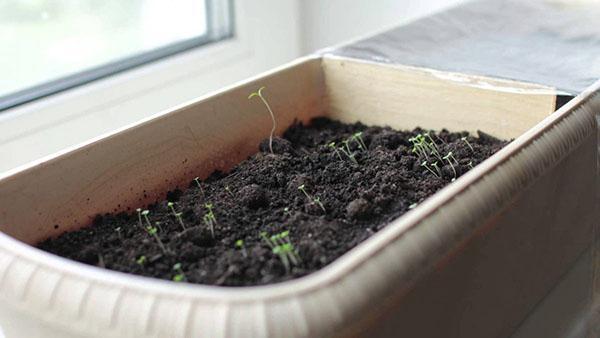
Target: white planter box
(471,261)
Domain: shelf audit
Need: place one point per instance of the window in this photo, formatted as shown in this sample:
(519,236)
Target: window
(49,46)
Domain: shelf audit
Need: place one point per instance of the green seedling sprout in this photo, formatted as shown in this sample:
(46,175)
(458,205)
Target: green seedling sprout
(431,141)
(281,245)
(470,164)
(347,151)
(153,231)
(432,146)
(240,244)
(180,276)
(435,165)
(259,94)
(209,218)
(313,200)
(197,180)
(357,137)
(279,251)
(139,211)
(332,146)
(145,214)
(464,139)
(451,156)
(317,201)
(118,230)
(287,211)
(157,224)
(141,260)
(176,214)
(448,158)
(229,191)
(424,164)
(419,147)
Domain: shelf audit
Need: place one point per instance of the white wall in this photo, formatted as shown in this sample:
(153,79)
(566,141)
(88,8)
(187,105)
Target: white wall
(329,22)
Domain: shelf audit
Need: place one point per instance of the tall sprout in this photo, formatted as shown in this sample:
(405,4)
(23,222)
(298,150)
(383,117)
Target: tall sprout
(259,94)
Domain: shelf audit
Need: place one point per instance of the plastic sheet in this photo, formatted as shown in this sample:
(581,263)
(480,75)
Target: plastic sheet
(554,43)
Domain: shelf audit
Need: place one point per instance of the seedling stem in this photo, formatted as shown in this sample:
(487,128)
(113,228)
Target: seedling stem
(259,94)
(464,139)
(314,200)
(176,214)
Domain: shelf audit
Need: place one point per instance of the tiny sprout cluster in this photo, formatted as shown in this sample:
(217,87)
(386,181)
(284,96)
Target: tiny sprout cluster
(209,218)
(313,200)
(281,245)
(430,156)
(260,95)
(345,147)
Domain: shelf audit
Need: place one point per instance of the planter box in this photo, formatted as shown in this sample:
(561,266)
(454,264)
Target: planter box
(471,261)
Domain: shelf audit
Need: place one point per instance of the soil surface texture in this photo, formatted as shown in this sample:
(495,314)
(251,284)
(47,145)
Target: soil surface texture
(277,216)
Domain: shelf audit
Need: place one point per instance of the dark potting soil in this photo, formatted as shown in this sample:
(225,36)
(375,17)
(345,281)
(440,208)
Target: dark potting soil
(351,193)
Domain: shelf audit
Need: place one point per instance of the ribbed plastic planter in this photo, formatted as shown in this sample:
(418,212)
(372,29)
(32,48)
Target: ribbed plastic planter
(471,261)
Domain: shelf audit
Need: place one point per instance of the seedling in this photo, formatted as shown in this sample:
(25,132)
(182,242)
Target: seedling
(139,211)
(358,139)
(118,230)
(259,94)
(419,146)
(209,218)
(470,164)
(145,213)
(464,139)
(448,158)
(450,155)
(435,165)
(141,260)
(180,276)
(432,146)
(424,164)
(347,151)
(157,224)
(412,206)
(313,200)
(240,244)
(229,191)
(335,149)
(287,211)
(197,180)
(152,231)
(176,214)
(281,245)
